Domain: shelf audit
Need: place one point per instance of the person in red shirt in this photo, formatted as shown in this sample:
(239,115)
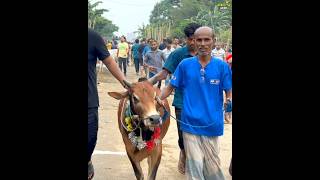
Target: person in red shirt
(229,58)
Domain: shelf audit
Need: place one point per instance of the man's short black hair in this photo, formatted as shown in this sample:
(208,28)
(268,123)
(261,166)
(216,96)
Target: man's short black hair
(142,79)
(169,41)
(190,29)
(136,41)
(150,40)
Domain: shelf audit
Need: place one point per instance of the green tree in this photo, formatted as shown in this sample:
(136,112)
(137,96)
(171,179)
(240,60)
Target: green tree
(169,17)
(105,27)
(161,12)
(94,13)
(141,31)
(100,24)
(218,20)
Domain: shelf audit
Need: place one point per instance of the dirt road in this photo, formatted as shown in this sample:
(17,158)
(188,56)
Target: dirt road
(110,160)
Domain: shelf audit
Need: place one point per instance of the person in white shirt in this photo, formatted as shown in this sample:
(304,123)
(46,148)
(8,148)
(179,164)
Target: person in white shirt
(175,44)
(167,51)
(218,52)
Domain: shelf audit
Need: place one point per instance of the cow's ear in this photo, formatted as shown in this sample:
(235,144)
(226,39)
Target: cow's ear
(118,95)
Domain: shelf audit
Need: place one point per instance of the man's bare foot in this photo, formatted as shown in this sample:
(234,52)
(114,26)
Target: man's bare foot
(182,162)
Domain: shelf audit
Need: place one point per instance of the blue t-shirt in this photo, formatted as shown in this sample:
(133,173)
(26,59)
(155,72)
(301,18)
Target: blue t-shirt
(171,64)
(146,49)
(134,50)
(202,95)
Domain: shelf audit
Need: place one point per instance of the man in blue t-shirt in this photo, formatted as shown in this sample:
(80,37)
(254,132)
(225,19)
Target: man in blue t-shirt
(146,49)
(169,67)
(135,55)
(97,50)
(203,80)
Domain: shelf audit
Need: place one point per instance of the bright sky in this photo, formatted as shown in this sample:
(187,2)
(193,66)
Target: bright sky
(128,15)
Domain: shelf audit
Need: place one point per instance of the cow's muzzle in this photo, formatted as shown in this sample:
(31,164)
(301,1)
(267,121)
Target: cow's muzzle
(153,120)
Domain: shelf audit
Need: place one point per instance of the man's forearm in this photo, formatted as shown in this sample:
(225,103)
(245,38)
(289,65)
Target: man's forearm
(166,92)
(229,94)
(114,69)
(158,77)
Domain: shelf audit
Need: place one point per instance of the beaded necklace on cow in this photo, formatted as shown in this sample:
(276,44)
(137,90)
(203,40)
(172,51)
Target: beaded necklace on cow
(132,115)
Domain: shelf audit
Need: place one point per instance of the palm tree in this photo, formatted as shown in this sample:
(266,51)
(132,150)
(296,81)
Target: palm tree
(93,13)
(219,21)
(216,19)
(141,31)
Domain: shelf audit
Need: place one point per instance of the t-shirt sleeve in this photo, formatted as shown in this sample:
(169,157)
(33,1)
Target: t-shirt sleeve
(177,78)
(144,51)
(171,63)
(146,59)
(226,77)
(101,49)
(163,56)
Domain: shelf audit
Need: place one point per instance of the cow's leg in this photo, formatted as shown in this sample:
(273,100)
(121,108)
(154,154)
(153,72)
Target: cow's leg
(154,161)
(137,169)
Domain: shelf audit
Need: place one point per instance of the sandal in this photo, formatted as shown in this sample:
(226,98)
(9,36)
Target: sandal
(90,171)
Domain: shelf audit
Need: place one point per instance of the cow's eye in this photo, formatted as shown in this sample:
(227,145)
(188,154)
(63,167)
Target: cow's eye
(135,99)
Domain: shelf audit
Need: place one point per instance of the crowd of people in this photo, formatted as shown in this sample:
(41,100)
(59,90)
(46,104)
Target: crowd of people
(199,71)
(136,53)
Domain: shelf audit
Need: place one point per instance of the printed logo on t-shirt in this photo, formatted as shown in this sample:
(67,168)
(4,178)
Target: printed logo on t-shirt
(214,81)
(173,77)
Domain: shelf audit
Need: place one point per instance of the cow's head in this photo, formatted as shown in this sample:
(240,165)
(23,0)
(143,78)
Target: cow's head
(142,96)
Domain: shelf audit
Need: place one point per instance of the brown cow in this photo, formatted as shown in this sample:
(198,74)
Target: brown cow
(147,112)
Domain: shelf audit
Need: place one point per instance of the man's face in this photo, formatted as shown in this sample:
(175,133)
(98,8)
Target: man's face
(218,46)
(190,42)
(176,41)
(150,42)
(204,43)
(168,45)
(154,46)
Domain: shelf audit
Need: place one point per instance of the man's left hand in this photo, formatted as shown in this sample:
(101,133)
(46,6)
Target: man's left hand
(228,105)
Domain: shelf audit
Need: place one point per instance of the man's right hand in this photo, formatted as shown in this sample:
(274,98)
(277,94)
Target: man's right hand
(152,68)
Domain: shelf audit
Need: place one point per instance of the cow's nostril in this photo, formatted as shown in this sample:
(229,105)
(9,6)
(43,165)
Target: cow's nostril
(154,118)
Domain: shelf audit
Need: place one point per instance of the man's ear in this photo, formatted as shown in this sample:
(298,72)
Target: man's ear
(118,95)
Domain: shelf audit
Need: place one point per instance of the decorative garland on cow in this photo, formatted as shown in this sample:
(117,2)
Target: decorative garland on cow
(142,138)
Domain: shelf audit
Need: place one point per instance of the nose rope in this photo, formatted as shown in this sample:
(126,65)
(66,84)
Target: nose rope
(166,112)
(132,118)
